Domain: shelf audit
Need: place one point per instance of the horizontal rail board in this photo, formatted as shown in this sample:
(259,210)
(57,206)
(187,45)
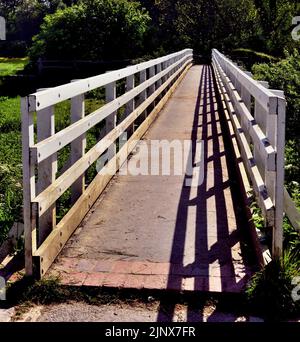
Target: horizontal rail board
(56,142)
(44,99)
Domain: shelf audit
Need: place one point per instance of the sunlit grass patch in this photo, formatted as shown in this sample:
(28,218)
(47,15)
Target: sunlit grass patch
(10,66)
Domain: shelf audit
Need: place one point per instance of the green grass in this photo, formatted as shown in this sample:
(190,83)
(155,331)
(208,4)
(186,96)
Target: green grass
(257,53)
(10,66)
(10,117)
(11,147)
(11,157)
(10,164)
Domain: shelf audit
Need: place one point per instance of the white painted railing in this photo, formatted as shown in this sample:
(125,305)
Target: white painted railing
(44,238)
(258,117)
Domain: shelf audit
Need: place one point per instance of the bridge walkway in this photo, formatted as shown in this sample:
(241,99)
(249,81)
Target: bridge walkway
(156,231)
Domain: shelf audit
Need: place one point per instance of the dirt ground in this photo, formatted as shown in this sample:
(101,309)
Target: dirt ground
(137,312)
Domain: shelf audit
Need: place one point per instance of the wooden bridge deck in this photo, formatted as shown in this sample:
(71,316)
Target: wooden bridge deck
(155,232)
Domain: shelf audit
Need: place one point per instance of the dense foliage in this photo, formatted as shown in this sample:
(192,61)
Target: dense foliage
(271,288)
(96,30)
(263,25)
(285,75)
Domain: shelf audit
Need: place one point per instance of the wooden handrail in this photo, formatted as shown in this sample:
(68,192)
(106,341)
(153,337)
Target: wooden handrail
(49,97)
(43,238)
(258,117)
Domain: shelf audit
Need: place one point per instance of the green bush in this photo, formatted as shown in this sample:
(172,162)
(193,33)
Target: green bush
(292,165)
(270,290)
(285,75)
(93,30)
(291,236)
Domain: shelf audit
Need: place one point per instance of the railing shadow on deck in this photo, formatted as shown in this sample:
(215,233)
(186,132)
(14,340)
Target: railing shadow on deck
(221,250)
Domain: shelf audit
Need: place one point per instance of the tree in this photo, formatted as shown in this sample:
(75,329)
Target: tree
(100,29)
(261,25)
(276,23)
(285,75)
(204,24)
(23,18)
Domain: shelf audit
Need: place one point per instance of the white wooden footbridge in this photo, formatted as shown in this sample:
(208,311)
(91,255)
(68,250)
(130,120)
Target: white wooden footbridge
(154,231)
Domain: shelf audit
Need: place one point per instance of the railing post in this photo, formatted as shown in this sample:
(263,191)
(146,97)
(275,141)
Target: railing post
(264,117)
(245,94)
(130,84)
(46,170)
(277,245)
(130,106)
(164,67)
(28,184)
(143,78)
(78,145)
(169,62)
(152,74)
(143,95)
(160,81)
(267,119)
(270,118)
(111,121)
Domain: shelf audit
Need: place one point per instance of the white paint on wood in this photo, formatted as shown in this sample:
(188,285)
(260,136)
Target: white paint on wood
(130,84)
(248,125)
(67,91)
(279,187)
(46,171)
(257,90)
(78,146)
(111,120)
(158,71)
(152,74)
(258,184)
(28,184)
(143,78)
(270,109)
